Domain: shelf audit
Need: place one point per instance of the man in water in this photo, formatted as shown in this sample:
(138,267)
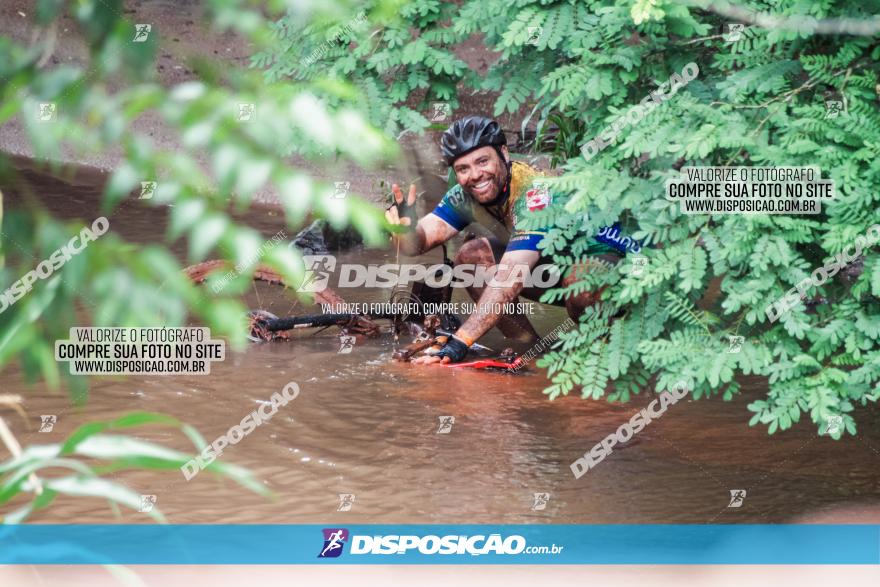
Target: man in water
(489,186)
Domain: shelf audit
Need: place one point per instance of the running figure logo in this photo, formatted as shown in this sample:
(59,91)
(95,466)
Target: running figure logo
(246,112)
(318,270)
(639,264)
(834,108)
(737,497)
(346,344)
(47,422)
(141,32)
(734,32)
(541,500)
(340,189)
(446,423)
(736,343)
(47,112)
(834,424)
(441,111)
(334,539)
(534,35)
(147,503)
(346,500)
(148,188)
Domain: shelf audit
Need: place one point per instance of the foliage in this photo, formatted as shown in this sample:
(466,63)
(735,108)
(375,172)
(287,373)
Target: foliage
(575,66)
(106,453)
(116,283)
(123,284)
(405,50)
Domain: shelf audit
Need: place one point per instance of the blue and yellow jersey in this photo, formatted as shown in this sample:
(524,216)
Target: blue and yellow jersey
(527,195)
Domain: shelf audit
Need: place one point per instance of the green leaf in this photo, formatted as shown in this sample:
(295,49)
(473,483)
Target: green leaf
(124,179)
(130,420)
(183,215)
(205,235)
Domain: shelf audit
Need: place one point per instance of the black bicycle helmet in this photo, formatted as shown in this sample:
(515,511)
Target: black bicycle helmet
(470,133)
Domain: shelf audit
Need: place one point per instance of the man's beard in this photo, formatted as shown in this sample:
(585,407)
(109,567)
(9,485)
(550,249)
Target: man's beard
(499,180)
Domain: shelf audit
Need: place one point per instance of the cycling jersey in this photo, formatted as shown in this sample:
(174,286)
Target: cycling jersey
(526,193)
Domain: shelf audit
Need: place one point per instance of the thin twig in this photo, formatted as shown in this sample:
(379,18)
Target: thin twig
(14,402)
(699,39)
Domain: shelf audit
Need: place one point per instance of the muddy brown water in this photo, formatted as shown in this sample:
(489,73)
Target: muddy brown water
(367,426)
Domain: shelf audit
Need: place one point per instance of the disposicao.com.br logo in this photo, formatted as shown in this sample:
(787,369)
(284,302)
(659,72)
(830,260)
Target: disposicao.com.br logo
(476,545)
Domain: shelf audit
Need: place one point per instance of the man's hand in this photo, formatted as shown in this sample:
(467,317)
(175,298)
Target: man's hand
(415,236)
(430,360)
(400,212)
(453,351)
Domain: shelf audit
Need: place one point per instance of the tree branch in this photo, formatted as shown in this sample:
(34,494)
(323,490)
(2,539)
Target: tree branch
(863,27)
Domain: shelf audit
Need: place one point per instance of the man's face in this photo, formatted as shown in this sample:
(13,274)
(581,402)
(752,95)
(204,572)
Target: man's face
(482,173)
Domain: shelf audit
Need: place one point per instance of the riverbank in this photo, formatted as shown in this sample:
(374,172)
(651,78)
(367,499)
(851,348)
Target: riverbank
(184,36)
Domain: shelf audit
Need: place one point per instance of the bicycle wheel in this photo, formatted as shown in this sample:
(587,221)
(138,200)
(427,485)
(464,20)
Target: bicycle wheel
(271,301)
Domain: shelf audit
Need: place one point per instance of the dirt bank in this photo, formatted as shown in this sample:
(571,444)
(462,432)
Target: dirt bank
(180,25)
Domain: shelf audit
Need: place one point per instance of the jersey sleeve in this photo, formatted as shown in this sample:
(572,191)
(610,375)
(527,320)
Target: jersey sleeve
(618,238)
(455,208)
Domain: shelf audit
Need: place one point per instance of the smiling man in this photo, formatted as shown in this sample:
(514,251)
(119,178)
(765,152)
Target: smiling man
(488,182)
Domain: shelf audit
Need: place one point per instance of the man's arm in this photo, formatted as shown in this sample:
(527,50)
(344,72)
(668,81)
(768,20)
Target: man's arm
(430,231)
(503,289)
(511,272)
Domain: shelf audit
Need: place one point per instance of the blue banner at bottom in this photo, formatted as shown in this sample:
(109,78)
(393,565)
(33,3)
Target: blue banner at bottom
(440,544)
